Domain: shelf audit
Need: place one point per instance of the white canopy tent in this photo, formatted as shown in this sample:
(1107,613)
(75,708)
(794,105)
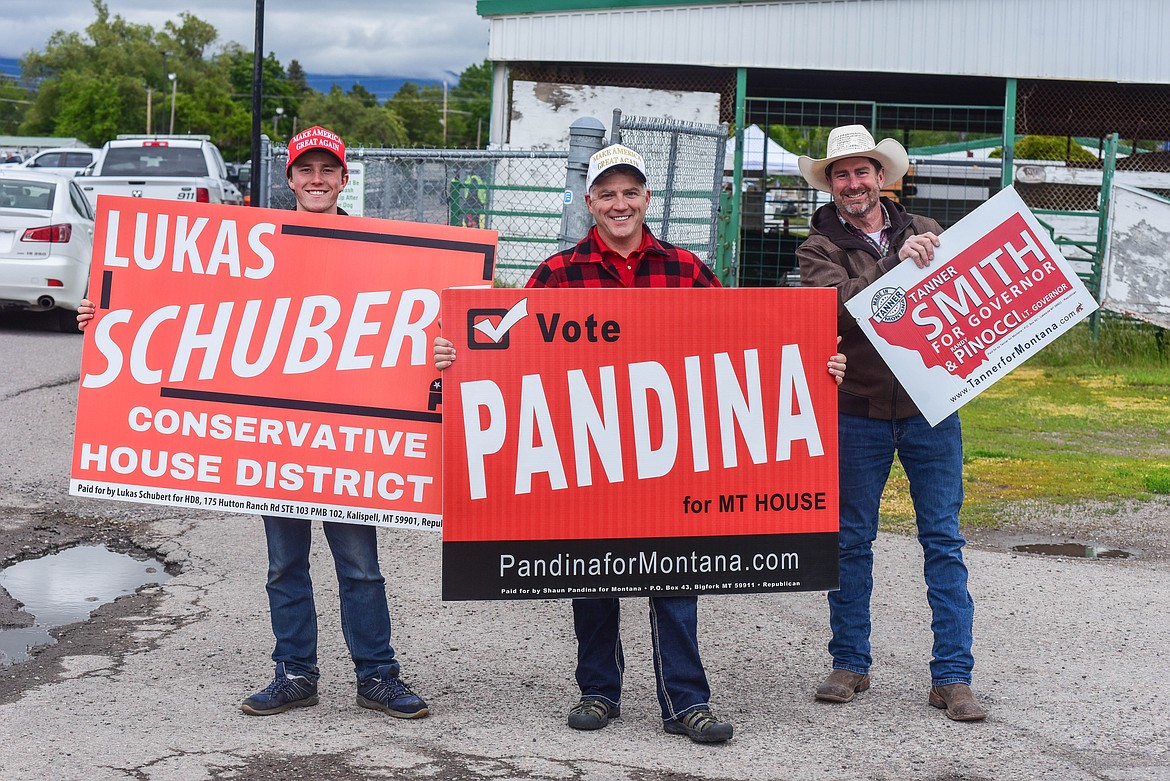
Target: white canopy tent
(780,161)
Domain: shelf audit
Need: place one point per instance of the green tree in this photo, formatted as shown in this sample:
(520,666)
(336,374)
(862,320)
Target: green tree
(421,114)
(97,84)
(279,90)
(367,98)
(470,107)
(297,79)
(349,117)
(105,74)
(14,102)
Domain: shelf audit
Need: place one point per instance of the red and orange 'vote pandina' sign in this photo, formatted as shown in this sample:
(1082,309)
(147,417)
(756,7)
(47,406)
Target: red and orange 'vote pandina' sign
(267,361)
(632,442)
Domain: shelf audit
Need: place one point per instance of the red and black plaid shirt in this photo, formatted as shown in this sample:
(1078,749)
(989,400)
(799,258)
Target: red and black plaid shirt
(592,264)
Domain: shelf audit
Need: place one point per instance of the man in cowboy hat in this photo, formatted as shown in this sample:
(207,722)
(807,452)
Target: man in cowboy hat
(851,243)
(620,252)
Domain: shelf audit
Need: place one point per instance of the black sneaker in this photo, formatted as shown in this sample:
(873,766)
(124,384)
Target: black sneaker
(389,693)
(283,693)
(701,726)
(592,714)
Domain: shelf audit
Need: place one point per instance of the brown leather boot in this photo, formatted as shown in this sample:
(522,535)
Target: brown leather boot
(841,685)
(959,702)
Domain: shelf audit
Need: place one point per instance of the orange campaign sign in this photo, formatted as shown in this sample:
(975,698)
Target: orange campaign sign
(639,442)
(267,361)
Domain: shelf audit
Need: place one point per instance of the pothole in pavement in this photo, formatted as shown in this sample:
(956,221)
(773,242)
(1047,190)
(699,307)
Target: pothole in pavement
(1077,550)
(64,588)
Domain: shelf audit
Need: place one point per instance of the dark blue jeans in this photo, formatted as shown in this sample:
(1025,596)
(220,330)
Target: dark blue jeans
(933,460)
(365,617)
(682,682)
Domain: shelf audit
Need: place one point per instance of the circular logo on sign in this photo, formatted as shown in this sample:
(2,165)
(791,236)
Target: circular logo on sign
(889,304)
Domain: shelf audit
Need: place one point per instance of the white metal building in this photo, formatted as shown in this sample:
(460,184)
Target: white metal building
(1095,74)
(879,49)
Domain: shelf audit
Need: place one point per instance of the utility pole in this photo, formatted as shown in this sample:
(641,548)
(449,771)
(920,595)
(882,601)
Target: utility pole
(174,91)
(163,92)
(149,91)
(257,93)
(444,113)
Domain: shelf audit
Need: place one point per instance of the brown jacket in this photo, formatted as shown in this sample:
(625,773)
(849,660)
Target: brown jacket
(834,257)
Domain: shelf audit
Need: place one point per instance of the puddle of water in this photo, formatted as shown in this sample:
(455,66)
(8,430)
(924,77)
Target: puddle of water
(66,587)
(1072,549)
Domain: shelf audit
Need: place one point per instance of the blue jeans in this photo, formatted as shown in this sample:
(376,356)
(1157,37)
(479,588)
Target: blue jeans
(365,617)
(933,460)
(682,683)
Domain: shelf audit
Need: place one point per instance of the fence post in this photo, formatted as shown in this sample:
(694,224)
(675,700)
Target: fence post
(264,164)
(586,136)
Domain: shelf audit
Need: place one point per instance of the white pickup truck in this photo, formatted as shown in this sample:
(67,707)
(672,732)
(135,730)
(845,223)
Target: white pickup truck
(176,168)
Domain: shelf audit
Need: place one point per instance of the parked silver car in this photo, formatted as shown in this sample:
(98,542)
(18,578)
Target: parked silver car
(46,243)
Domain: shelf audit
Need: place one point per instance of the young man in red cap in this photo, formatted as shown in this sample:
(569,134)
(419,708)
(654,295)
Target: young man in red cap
(317,173)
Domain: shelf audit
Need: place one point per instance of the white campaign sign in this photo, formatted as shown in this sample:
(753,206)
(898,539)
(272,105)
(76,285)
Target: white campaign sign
(997,293)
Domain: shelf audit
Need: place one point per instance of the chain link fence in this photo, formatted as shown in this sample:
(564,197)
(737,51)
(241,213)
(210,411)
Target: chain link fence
(1075,139)
(520,194)
(1062,128)
(516,193)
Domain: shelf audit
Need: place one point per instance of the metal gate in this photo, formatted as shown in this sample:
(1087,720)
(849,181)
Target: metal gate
(685,162)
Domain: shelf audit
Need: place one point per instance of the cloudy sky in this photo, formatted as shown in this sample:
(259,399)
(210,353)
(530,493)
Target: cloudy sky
(420,38)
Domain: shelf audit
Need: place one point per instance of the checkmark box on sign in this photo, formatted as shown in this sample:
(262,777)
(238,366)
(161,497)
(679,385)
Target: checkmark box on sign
(485,332)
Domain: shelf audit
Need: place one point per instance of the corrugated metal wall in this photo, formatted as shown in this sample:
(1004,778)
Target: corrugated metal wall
(1088,40)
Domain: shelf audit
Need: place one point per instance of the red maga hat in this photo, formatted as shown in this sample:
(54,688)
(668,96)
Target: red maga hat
(316,137)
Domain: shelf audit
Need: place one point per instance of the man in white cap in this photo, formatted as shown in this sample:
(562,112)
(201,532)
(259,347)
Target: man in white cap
(620,252)
(852,242)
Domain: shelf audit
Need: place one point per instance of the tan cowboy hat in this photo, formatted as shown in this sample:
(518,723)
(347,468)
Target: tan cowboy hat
(854,141)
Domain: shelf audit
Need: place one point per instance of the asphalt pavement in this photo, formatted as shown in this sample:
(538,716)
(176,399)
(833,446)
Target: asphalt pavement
(1071,659)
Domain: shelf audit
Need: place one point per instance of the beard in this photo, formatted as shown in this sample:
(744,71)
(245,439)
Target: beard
(859,209)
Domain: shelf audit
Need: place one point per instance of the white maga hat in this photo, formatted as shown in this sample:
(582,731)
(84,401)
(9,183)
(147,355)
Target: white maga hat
(605,160)
(854,141)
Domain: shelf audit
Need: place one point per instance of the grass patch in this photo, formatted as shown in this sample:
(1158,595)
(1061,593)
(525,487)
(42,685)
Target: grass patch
(1077,422)
(1158,481)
